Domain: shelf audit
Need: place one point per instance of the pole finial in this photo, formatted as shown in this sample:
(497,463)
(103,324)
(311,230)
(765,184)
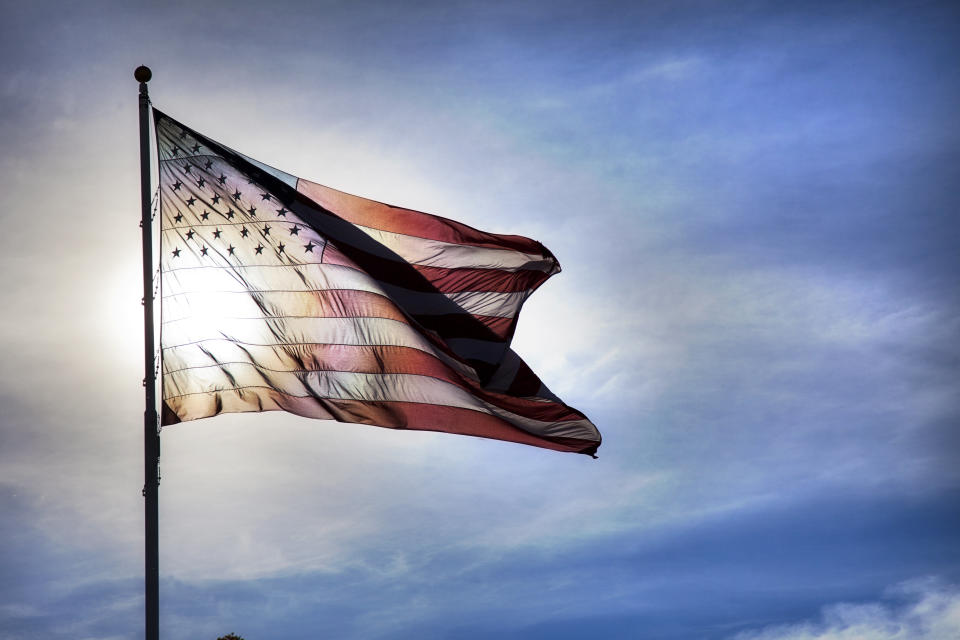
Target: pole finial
(142,74)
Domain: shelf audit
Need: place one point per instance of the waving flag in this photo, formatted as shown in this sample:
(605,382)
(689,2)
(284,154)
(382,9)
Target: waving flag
(282,294)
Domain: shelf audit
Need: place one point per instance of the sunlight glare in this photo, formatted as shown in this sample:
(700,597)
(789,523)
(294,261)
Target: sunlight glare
(121,314)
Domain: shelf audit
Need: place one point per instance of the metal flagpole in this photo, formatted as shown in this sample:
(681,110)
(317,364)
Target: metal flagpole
(151,437)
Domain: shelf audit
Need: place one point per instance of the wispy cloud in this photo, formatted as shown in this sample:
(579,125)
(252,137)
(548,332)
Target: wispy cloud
(754,208)
(922,609)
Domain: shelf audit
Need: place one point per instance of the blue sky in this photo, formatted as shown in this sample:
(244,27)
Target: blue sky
(755,208)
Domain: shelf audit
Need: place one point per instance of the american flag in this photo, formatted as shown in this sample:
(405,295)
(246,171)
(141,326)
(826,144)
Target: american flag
(282,294)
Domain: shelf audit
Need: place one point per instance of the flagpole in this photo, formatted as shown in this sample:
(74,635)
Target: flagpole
(151,437)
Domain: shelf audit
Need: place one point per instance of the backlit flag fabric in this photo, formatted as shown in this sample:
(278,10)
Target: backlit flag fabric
(282,294)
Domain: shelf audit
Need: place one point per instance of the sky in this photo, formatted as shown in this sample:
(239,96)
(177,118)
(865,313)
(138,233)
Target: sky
(755,207)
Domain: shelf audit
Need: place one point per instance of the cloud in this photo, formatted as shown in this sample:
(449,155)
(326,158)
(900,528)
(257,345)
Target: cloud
(923,609)
(753,211)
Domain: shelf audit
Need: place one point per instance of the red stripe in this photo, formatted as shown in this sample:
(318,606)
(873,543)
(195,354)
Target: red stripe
(428,417)
(326,303)
(378,215)
(392,415)
(458,280)
(445,280)
(351,303)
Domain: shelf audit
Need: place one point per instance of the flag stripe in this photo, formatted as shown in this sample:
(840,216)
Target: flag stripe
(318,330)
(340,385)
(373,214)
(365,359)
(242,278)
(335,303)
(475,303)
(392,415)
(445,279)
(435,253)
(265,331)
(330,303)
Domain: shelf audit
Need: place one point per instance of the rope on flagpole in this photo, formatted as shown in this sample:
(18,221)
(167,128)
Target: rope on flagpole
(151,436)
(154,203)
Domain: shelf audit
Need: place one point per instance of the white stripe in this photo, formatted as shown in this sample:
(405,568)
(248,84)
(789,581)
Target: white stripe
(580,429)
(192,356)
(217,337)
(478,303)
(199,281)
(259,278)
(263,331)
(274,304)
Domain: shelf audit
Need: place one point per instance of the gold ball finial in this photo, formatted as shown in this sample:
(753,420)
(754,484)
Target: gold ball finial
(143,74)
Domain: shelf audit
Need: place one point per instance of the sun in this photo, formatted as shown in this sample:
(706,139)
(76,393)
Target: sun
(121,314)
